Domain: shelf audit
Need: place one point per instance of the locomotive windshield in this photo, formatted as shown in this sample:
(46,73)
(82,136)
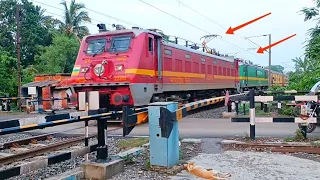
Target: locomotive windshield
(96,46)
(120,44)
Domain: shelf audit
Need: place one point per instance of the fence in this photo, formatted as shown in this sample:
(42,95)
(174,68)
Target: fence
(303,119)
(5,103)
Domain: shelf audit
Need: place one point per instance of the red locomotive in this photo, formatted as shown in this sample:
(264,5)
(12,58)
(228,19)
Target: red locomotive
(136,66)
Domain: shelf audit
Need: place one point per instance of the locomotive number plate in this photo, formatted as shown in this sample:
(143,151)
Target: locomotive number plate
(179,80)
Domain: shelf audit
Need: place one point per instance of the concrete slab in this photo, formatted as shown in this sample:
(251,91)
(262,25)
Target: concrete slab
(102,171)
(132,152)
(228,114)
(75,174)
(231,142)
(191,140)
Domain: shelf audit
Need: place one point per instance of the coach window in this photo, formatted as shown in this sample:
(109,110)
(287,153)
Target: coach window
(203,60)
(150,44)
(168,52)
(187,56)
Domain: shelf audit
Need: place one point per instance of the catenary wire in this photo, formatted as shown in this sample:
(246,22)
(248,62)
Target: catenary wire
(193,25)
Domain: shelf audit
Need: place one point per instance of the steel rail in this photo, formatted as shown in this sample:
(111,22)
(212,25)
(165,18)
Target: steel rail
(24,141)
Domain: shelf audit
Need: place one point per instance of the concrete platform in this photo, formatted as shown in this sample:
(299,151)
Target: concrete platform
(102,171)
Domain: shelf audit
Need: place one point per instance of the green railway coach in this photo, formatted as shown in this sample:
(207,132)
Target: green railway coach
(252,76)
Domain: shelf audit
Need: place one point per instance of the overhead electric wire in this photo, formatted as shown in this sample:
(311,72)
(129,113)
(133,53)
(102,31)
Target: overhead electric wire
(127,22)
(193,25)
(63,10)
(216,22)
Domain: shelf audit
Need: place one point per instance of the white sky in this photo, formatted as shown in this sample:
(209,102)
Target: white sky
(284,21)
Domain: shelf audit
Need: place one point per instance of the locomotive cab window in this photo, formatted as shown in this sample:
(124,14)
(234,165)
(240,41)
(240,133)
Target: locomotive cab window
(168,52)
(96,46)
(150,44)
(120,44)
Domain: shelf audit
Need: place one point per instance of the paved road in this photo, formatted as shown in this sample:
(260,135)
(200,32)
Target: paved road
(196,128)
(202,128)
(4,116)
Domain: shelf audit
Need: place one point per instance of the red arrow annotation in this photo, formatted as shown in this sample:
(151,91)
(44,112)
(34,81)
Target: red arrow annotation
(260,50)
(232,30)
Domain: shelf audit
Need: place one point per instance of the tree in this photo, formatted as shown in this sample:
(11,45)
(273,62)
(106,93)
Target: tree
(32,31)
(74,16)
(307,70)
(60,56)
(277,68)
(8,74)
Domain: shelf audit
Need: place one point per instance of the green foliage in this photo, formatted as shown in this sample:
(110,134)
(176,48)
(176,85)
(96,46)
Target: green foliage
(307,69)
(60,56)
(74,17)
(277,68)
(8,74)
(287,110)
(277,88)
(297,138)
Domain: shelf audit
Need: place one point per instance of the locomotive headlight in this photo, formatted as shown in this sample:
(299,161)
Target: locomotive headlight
(98,69)
(118,67)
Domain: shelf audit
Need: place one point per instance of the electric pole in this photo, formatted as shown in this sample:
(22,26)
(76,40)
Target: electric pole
(270,78)
(18,53)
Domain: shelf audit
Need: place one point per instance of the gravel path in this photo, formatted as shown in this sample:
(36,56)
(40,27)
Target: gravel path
(256,165)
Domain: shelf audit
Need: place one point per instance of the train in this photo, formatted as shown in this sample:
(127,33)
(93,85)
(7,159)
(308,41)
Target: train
(135,67)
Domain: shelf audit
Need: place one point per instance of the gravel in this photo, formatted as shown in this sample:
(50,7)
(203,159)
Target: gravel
(210,112)
(256,165)
(139,169)
(13,137)
(64,166)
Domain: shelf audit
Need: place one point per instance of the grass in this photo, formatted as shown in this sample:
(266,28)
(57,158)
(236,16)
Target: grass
(297,138)
(132,142)
(272,110)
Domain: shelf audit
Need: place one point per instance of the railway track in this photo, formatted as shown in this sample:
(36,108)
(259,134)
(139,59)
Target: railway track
(32,149)
(37,146)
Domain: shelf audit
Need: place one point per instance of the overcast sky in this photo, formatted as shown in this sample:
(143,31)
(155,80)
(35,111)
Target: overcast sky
(284,21)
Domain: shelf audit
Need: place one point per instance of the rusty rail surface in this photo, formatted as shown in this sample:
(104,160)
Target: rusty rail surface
(284,148)
(310,150)
(25,141)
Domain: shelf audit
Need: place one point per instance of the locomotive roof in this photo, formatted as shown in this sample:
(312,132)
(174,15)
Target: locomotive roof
(177,46)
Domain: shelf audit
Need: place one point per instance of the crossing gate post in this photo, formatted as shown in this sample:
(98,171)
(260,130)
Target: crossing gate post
(229,106)
(102,149)
(252,115)
(164,135)
(304,112)
(244,108)
(237,107)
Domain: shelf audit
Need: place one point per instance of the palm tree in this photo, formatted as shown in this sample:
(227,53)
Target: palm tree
(312,14)
(74,17)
